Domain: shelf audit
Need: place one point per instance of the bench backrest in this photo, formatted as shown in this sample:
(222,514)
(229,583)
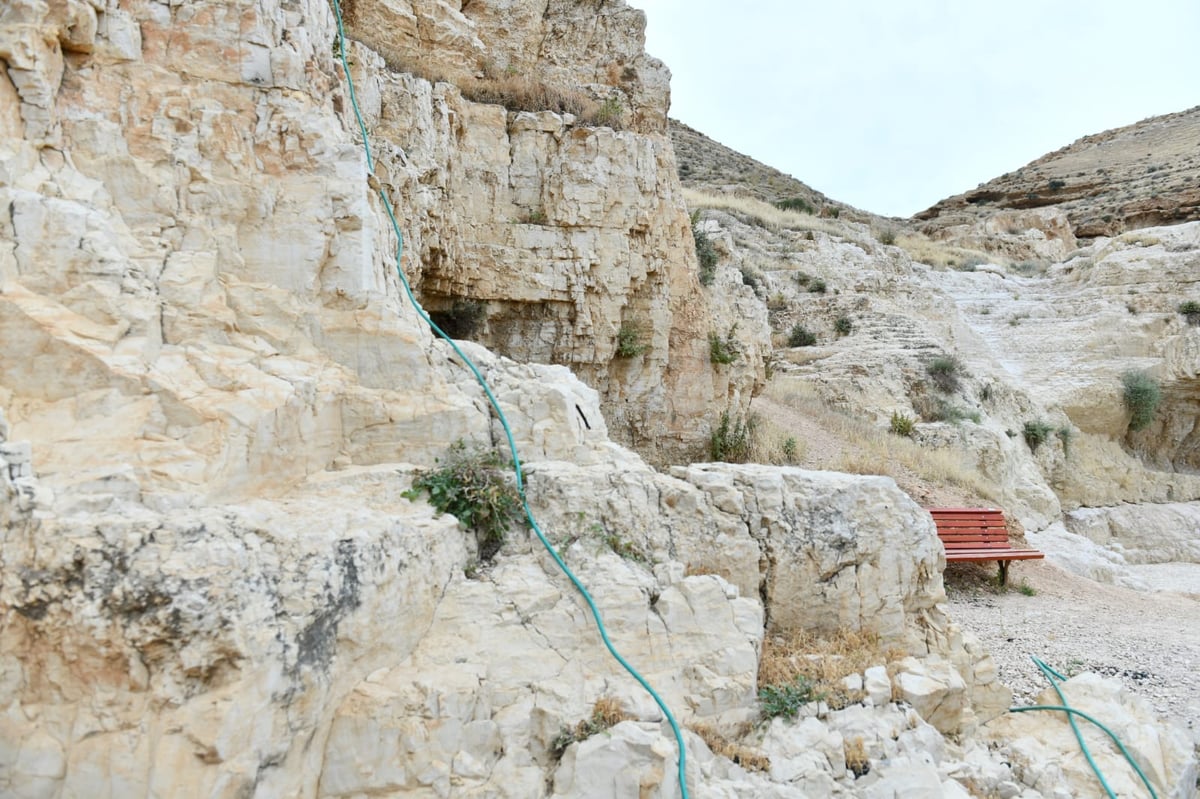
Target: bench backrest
(971,528)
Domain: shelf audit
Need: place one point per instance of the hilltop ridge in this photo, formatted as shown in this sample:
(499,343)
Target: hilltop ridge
(1137,176)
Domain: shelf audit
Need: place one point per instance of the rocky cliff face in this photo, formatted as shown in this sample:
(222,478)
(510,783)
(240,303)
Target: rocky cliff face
(543,237)
(214,397)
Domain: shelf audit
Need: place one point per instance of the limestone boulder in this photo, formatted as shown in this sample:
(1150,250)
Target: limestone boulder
(1145,533)
(1046,755)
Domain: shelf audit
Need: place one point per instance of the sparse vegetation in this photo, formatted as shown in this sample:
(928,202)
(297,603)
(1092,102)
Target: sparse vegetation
(732,440)
(945,371)
(817,286)
(473,485)
(534,216)
(855,752)
(843,326)
(606,713)
(1142,396)
(744,756)
(865,451)
(786,699)
(1029,268)
(706,253)
(790,449)
(624,547)
(938,409)
(1036,432)
(1065,435)
(796,204)
(1191,312)
(751,277)
(629,340)
(902,425)
(610,113)
(723,349)
(814,666)
(801,336)
(887,236)
(770,215)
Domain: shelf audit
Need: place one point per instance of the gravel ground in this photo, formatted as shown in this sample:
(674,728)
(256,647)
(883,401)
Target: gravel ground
(1148,640)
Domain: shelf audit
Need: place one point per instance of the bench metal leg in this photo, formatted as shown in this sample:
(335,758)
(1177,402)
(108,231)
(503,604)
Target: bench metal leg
(1003,572)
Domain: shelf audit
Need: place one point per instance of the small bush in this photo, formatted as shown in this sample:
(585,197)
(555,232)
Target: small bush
(1142,396)
(723,349)
(902,425)
(786,699)
(629,340)
(706,253)
(1035,433)
(1056,184)
(817,286)
(802,279)
(1191,311)
(790,449)
(473,485)
(801,336)
(887,236)
(843,326)
(733,440)
(795,204)
(751,278)
(945,372)
(610,114)
(778,302)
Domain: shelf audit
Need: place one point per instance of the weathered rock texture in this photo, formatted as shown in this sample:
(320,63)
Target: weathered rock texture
(1142,175)
(546,239)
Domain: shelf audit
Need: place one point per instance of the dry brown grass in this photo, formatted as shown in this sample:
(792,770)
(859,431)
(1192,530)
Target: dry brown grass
(857,759)
(741,754)
(606,712)
(819,658)
(939,253)
(822,660)
(868,449)
(772,217)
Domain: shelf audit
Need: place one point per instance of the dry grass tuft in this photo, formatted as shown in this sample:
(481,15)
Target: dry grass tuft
(741,754)
(856,756)
(606,713)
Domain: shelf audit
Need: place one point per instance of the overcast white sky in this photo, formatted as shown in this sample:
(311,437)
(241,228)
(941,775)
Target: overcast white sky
(891,106)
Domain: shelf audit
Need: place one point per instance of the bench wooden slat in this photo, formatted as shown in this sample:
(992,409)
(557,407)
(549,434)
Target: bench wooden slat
(978,535)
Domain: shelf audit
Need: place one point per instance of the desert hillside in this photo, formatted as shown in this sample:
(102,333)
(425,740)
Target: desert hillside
(1138,176)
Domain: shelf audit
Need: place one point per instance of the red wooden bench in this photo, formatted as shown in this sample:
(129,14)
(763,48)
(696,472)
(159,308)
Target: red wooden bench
(978,534)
